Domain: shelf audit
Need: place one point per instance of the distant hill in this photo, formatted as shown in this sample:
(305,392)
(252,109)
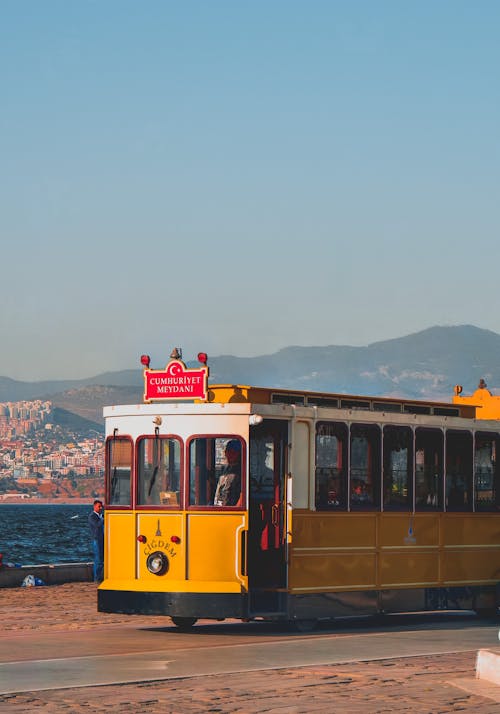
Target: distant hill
(14,391)
(425,364)
(73,422)
(87,402)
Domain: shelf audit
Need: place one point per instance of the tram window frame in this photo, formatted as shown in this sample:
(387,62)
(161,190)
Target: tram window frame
(117,478)
(429,469)
(388,407)
(210,479)
(364,494)
(416,409)
(458,476)
(261,463)
(330,481)
(169,498)
(397,482)
(446,411)
(487,480)
(355,404)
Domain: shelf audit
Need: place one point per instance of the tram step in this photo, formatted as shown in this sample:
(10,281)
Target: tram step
(268,603)
(274,614)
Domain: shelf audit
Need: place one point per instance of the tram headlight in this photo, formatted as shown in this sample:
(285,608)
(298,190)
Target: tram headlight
(157,563)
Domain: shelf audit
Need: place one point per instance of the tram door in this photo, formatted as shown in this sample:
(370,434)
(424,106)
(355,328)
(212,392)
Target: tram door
(267,514)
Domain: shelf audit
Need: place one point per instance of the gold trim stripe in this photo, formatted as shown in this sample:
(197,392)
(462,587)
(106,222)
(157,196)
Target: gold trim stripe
(346,549)
(396,586)
(460,546)
(335,588)
(413,546)
(403,547)
(403,585)
(470,582)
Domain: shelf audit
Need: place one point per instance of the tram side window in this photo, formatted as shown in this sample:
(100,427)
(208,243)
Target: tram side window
(119,471)
(215,471)
(459,465)
(487,472)
(428,469)
(398,468)
(365,467)
(261,462)
(331,466)
(159,471)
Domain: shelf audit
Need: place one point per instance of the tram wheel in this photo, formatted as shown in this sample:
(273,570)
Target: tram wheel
(305,625)
(184,623)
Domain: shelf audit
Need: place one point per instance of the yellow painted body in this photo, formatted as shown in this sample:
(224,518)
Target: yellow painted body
(208,557)
(366,551)
(328,552)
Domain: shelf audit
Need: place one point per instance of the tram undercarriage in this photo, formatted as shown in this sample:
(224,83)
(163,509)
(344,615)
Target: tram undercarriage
(282,606)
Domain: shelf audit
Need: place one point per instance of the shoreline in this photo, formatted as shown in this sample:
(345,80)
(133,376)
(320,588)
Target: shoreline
(46,502)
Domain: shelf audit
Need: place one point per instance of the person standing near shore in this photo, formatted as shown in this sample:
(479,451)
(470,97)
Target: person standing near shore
(96,526)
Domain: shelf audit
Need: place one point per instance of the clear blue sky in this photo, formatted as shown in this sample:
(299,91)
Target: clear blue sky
(236,177)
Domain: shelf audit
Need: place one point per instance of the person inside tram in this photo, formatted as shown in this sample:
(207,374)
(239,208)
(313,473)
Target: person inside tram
(359,492)
(229,483)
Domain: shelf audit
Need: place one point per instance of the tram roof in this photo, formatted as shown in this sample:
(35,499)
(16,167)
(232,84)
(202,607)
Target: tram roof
(234,393)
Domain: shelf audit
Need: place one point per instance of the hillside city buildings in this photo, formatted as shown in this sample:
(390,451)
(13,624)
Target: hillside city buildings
(41,459)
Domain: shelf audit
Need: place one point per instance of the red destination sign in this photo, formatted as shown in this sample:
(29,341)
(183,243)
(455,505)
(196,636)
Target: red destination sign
(176,381)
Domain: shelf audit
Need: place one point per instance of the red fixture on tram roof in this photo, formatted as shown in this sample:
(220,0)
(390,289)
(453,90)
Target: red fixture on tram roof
(175,539)
(141,538)
(145,360)
(202,357)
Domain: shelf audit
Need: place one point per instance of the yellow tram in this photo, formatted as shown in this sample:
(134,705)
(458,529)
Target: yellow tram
(233,501)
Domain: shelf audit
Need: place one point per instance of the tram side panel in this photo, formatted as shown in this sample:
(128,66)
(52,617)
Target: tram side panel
(333,564)
(333,551)
(471,554)
(345,563)
(408,548)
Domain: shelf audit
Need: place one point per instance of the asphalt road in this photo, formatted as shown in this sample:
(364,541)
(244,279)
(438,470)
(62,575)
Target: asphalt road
(113,655)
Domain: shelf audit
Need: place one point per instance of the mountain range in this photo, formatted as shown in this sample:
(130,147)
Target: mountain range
(422,365)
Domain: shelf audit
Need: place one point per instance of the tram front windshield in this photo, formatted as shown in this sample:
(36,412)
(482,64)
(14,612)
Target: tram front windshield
(215,472)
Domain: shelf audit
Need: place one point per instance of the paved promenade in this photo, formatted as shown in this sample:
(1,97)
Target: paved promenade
(431,684)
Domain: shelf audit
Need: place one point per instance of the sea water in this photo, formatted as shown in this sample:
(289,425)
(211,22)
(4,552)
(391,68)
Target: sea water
(36,534)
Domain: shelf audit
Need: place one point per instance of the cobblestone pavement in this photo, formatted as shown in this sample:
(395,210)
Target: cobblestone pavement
(71,606)
(417,684)
(430,685)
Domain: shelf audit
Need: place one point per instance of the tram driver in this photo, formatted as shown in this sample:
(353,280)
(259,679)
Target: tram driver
(229,484)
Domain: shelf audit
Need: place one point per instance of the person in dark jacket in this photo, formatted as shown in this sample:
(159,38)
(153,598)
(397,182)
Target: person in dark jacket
(229,485)
(96,526)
